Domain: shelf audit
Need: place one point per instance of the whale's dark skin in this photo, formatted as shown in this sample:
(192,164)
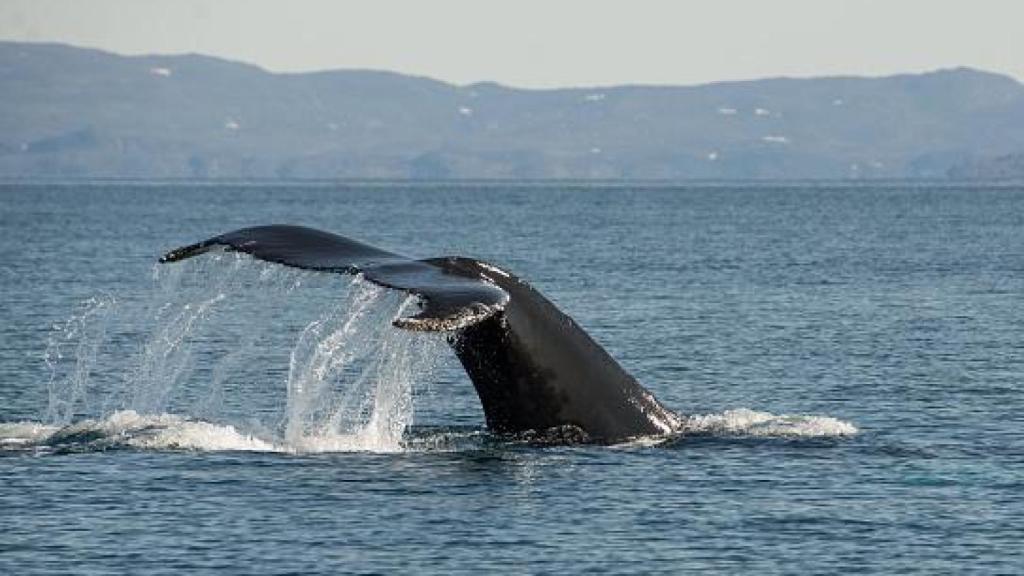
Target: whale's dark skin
(533,367)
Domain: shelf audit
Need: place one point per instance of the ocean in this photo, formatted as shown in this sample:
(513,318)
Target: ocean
(847,357)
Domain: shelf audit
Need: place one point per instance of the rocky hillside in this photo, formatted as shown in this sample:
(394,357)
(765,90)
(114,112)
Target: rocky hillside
(71,112)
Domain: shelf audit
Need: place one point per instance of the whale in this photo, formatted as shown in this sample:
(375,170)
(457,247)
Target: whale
(535,370)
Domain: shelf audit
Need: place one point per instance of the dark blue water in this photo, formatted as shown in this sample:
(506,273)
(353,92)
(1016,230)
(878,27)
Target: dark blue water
(850,359)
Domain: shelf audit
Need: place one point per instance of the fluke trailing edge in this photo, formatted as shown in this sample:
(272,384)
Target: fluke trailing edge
(532,366)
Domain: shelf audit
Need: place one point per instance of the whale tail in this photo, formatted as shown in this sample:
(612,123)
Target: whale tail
(532,366)
(449,300)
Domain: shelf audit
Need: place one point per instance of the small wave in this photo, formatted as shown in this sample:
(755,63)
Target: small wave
(171,432)
(20,434)
(746,422)
(129,429)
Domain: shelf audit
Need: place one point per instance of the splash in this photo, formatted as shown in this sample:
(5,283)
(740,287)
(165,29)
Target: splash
(228,353)
(19,434)
(199,364)
(127,429)
(746,422)
(375,408)
(71,354)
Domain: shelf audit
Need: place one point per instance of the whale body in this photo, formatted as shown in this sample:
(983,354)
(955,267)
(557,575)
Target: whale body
(533,367)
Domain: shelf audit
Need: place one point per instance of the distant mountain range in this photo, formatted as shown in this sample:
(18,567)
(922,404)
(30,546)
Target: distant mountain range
(71,112)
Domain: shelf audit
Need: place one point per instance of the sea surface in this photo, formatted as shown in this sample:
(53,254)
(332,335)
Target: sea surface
(848,358)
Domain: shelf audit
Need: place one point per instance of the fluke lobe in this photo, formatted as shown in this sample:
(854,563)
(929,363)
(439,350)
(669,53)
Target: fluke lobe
(533,367)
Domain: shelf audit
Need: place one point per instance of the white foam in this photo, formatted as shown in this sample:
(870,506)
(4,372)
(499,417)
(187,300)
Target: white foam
(367,440)
(746,422)
(160,432)
(172,432)
(128,428)
(24,433)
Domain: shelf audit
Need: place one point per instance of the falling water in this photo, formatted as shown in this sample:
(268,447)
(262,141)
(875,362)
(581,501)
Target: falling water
(221,341)
(225,352)
(74,346)
(354,343)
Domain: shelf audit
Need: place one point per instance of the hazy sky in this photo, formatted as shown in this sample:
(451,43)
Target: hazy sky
(543,43)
